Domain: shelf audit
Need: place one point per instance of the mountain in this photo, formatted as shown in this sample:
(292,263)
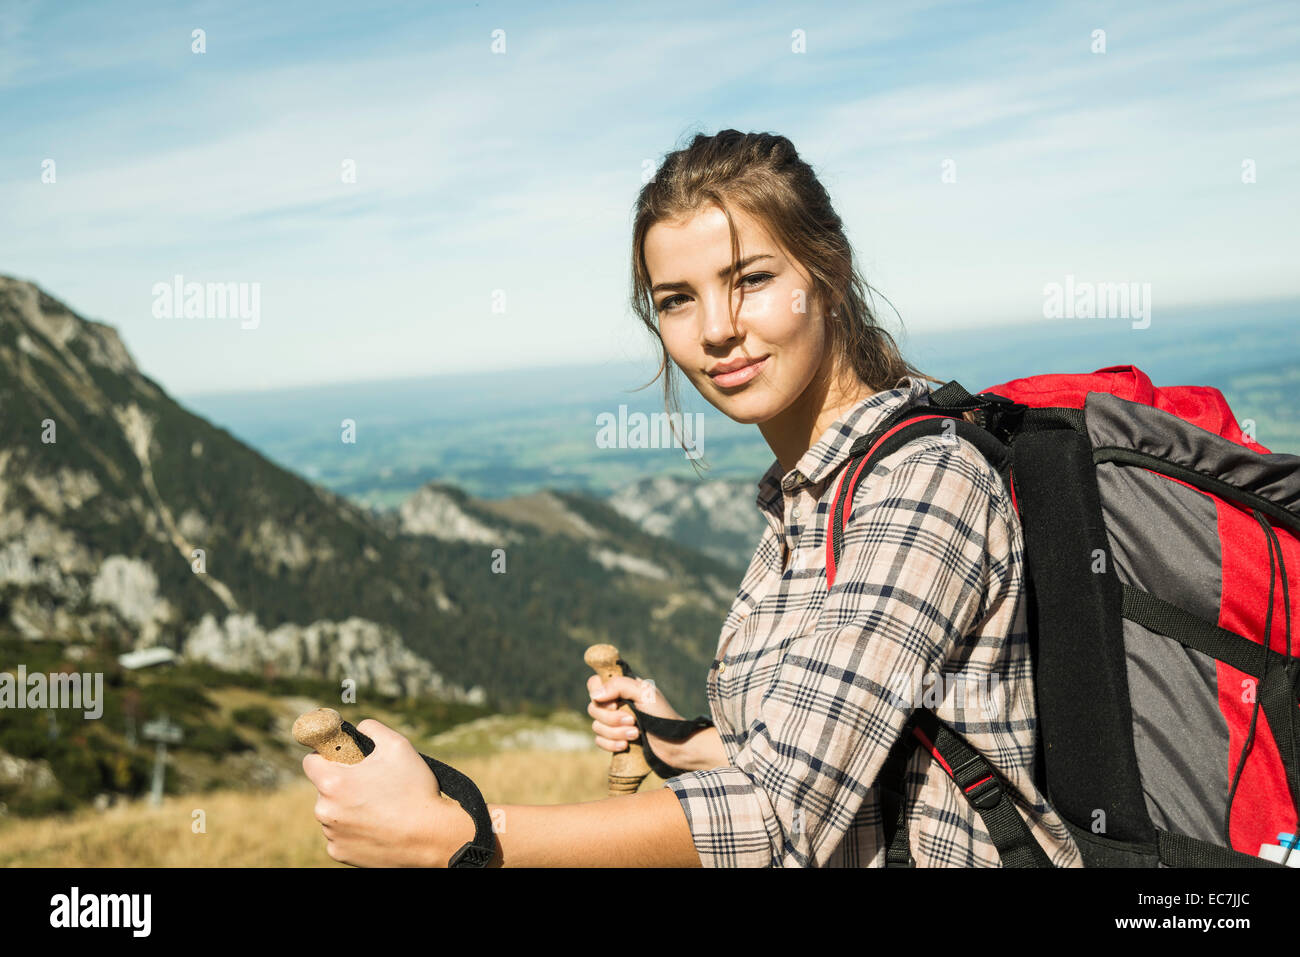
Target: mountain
(718,517)
(127,521)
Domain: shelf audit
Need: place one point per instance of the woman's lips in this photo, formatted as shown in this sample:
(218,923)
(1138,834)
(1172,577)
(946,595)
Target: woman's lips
(740,376)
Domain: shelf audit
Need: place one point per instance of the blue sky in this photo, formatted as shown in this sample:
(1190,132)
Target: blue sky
(516,171)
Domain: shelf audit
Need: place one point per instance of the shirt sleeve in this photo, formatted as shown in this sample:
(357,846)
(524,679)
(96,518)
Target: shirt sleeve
(926,553)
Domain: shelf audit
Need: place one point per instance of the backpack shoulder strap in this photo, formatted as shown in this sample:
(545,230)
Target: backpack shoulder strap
(977,780)
(900,428)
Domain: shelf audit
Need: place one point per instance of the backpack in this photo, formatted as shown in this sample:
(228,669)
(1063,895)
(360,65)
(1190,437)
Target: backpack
(1155,534)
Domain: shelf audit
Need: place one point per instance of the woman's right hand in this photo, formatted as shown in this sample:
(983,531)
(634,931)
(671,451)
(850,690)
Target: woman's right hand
(615,728)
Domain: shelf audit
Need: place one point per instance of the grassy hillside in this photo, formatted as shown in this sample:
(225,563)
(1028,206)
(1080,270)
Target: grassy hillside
(271,828)
(239,766)
(236,729)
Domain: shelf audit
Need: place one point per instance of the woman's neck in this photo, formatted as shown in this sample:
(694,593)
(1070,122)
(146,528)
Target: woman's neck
(794,430)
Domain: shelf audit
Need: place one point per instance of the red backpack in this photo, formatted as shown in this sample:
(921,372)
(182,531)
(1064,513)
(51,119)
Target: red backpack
(1161,545)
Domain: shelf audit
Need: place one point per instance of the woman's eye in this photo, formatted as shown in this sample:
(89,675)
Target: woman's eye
(671,302)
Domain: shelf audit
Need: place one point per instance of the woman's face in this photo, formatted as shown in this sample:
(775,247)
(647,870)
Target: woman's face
(778,346)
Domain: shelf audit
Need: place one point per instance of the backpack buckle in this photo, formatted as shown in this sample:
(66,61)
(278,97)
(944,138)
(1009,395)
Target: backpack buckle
(979,782)
(985,794)
(999,415)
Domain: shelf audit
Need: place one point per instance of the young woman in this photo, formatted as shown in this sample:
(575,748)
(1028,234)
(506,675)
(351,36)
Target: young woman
(742,271)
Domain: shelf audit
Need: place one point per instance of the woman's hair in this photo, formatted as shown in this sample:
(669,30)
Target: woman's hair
(762,174)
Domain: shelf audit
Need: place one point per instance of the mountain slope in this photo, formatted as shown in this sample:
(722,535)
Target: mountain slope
(127,521)
(717,517)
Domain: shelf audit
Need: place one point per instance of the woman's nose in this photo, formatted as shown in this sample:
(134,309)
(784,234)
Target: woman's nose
(717,326)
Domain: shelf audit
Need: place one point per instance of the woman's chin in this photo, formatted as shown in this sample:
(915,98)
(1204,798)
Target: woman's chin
(749,406)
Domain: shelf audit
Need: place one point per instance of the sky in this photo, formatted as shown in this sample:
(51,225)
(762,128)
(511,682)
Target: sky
(498,148)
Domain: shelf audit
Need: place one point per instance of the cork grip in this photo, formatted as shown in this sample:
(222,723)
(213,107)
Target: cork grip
(627,769)
(322,731)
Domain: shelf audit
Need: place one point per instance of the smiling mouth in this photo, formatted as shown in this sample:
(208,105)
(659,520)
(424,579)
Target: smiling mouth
(735,377)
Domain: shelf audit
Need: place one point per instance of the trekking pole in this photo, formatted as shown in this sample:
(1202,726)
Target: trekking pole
(322,731)
(627,769)
(326,733)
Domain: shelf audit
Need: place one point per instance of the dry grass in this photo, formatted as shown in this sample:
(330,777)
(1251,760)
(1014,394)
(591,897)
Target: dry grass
(268,829)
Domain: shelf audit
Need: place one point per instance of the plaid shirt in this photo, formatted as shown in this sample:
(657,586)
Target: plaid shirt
(811,688)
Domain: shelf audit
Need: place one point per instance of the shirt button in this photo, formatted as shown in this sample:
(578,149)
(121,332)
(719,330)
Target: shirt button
(722,666)
(795,512)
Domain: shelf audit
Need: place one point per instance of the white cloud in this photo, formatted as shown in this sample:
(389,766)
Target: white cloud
(478,173)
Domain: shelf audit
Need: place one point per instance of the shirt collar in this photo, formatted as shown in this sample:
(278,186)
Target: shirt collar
(832,449)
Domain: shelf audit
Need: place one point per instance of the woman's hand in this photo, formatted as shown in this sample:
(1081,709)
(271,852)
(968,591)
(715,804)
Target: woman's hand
(615,728)
(386,811)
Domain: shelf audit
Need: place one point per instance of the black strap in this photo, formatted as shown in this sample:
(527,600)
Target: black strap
(1178,850)
(951,394)
(1001,415)
(978,780)
(476,853)
(670,729)
(998,415)
(1165,618)
(891,785)
(1277,689)
(1055,417)
(1206,483)
(983,787)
